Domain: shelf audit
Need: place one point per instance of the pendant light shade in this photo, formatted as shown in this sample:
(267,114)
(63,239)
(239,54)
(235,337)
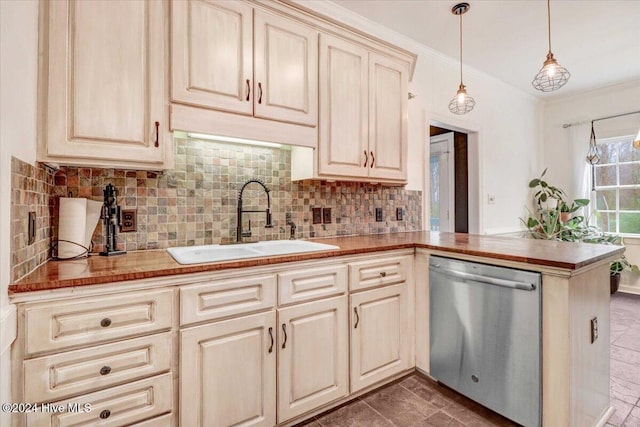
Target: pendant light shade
(462,103)
(552,76)
(593,155)
(636,141)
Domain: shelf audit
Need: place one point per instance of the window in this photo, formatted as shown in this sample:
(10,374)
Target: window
(617,185)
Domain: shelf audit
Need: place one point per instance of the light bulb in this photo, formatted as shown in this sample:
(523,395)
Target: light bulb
(461,97)
(551,70)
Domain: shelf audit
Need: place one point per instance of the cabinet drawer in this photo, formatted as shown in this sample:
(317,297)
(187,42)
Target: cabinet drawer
(85,321)
(224,298)
(163,421)
(116,406)
(378,272)
(80,371)
(311,283)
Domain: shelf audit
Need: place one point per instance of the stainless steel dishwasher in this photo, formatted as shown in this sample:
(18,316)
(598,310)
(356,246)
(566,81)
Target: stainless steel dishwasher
(485,335)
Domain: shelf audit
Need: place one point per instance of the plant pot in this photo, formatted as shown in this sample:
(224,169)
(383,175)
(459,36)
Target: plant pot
(614,281)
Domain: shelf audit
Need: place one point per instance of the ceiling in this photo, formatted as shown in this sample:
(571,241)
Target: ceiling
(598,41)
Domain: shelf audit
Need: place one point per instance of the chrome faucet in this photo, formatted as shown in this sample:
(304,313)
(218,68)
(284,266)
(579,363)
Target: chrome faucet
(239,232)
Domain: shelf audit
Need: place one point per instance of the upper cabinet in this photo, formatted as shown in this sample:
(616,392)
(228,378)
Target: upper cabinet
(229,57)
(363,116)
(106,102)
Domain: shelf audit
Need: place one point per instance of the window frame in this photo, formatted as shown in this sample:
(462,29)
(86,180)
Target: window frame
(617,187)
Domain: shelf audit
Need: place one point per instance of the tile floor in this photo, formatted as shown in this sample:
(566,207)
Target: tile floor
(420,402)
(625,360)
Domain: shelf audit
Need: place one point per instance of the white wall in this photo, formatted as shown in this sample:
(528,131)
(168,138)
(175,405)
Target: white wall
(18,87)
(508,122)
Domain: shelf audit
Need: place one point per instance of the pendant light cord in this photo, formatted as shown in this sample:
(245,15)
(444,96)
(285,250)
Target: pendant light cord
(549,22)
(461,48)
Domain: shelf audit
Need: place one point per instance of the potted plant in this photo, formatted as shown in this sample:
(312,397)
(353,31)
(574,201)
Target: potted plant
(555,219)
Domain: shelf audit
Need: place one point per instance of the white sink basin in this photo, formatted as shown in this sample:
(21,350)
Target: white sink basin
(215,253)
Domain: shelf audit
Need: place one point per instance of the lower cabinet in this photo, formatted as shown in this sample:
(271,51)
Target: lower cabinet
(313,356)
(228,373)
(380,341)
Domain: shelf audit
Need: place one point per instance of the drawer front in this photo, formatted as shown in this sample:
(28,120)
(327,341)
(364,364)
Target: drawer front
(223,298)
(163,421)
(60,375)
(378,272)
(85,321)
(116,406)
(311,283)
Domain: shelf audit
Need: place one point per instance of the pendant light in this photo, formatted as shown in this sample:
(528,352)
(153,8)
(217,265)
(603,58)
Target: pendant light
(552,76)
(462,103)
(636,141)
(593,155)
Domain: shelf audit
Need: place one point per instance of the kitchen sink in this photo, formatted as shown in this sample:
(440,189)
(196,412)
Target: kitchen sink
(216,253)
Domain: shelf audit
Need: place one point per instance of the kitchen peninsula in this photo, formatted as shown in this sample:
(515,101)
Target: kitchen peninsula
(146,295)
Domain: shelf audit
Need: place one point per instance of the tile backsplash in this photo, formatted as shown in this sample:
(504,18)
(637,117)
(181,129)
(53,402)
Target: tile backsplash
(195,204)
(31,187)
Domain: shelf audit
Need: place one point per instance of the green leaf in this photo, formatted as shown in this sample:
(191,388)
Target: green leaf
(534,182)
(543,197)
(581,202)
(544,184)
(543,172)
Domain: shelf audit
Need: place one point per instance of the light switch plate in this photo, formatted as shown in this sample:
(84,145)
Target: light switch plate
(399,214)
(379,215)
(326,215)
(594,329)
(317,215)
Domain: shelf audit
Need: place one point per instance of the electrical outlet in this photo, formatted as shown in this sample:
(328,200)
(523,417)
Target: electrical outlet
(317,215)
(129,221)
(398,214)
(326,215)
(594,329)
(379,215)
(32,228)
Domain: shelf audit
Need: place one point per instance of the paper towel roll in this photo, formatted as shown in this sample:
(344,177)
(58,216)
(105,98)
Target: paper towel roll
(78,218)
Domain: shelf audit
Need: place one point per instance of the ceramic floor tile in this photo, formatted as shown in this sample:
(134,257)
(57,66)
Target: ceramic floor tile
(354,414)
(439,419)
(623,409)
(630,339)
(625,371)
(625,355)
(430,391)
(633,420)
(624,390)
(400,406)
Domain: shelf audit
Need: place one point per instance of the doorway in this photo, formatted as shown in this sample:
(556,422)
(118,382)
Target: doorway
(449,176)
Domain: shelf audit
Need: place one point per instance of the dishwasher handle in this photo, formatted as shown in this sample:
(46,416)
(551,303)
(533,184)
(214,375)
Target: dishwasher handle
(487,279)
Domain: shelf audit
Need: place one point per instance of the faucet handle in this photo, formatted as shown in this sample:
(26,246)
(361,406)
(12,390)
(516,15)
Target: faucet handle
(269,223)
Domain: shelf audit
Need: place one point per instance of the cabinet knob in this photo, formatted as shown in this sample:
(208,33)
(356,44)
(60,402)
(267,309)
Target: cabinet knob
(105,370)
(271,336)
(157,141)
(373,159)
(248,90)
(355,311)
(106,322)
(383,274)
(259,93)
(105,414)
(284,331)
(366,158)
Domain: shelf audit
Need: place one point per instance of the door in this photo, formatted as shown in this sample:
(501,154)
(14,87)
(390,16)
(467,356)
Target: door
(106,81)
(379,339)
(313,356)
(212,54)
(441,167)
(344,132)
(388,118)
(228,373)
(286,70)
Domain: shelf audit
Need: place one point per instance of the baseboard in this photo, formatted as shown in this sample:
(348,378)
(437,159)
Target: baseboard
(605,417)
(8,327)
(629,289)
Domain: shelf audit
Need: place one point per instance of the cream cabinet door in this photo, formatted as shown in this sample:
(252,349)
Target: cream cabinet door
(106,100)
(344,117)
(228,373)
(380,345)
(211,56)
(286,70)
(313,356)
(388,118)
